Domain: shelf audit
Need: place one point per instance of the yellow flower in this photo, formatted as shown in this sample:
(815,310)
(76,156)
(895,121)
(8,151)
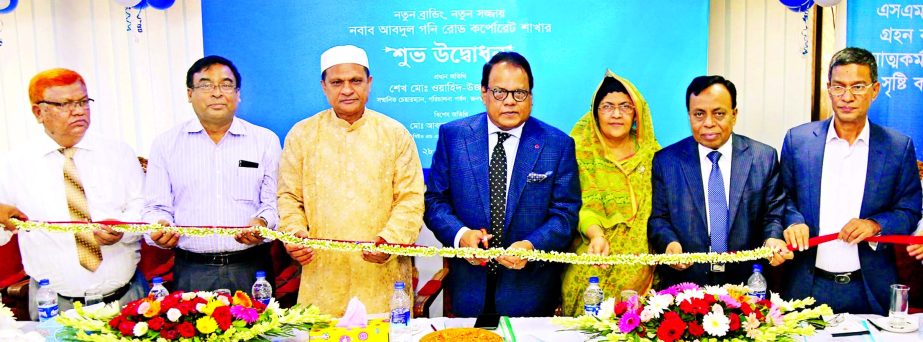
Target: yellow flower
(153,309)
(212,305)
(206,325)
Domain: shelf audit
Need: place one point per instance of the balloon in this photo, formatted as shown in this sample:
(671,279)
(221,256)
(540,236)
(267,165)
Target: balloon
(141,4)
(798,5)
(161,4)
(127,3)
(827,3)
(7,6)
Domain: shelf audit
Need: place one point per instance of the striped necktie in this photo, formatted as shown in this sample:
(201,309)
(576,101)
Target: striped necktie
(88,251)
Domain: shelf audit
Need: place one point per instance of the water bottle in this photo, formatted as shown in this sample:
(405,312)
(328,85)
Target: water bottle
(593,297)
(757,283)
(46,300)
(158,291)
(262,291)
(399,330)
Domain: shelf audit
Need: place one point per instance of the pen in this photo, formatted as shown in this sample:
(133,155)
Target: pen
(874,325)
(433,326)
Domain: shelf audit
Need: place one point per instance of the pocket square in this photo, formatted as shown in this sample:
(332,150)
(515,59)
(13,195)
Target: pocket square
(537,177)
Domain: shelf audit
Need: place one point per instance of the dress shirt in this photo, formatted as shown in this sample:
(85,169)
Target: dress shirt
(842,183)
(191,181)
(727,154)
(510,146)
(32,179)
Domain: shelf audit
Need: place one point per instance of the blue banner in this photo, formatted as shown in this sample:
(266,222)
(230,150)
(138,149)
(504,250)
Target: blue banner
(426,56)
(893,31)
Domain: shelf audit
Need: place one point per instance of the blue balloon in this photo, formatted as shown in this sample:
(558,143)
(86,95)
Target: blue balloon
(161,4)
(9,8)
(798,5)
(141,5)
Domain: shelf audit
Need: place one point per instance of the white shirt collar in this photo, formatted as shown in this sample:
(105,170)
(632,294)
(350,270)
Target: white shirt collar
(863,135)
(46,144)
(515,132)
(725,149)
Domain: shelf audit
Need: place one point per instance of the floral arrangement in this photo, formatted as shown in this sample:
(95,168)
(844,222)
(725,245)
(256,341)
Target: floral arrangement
(417,251)
(687,312)
(188,316)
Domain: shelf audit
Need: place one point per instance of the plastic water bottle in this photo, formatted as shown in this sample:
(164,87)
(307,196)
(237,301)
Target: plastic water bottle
(158,291)
(399,330)
(46,300)
(757,283)
(593,297)
(262,291)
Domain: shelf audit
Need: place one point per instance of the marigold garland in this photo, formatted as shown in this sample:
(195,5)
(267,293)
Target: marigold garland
(419,251)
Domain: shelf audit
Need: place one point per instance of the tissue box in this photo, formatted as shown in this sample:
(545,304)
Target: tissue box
(376,331)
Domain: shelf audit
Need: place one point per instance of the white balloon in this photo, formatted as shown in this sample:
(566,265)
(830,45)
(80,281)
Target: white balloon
(126,3)
(4,4)
(827,3)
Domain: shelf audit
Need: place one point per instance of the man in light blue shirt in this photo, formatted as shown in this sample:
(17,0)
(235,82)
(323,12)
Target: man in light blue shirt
(216,170)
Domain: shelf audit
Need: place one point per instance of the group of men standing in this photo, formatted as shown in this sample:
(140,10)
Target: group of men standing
(498,179)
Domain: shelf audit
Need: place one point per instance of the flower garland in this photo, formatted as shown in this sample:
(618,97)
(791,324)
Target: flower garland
(414,250)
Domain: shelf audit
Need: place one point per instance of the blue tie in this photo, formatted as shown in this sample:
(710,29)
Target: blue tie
(717,206)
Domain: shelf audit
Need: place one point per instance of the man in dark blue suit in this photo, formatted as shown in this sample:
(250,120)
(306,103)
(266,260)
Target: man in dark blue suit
(476,160)
(853,178)
(714,191)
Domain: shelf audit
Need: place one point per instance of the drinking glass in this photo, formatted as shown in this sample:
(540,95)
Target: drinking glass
(900,302)
(223,292)
(92,297)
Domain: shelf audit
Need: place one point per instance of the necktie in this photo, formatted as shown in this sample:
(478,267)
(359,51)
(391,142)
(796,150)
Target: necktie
(87,249)
(717,206)
(497,180)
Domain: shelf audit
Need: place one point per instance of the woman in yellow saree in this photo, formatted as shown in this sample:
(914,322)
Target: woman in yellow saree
(615,145)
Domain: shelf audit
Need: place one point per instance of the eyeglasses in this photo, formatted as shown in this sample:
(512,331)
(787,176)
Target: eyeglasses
(500,94)
(69,105)
(624,108)
(858,89)
(700,115)
(226,88)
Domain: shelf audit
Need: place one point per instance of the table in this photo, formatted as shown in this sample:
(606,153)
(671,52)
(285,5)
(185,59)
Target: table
(540,329)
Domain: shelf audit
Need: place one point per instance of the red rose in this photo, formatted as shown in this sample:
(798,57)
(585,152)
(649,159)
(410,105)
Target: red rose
(155,323)
(186,307)
(169,334)
(687,307)
(671,330)
(695,329)
(131,309)
(168,303)
(115,322)
(671,315)
(745,308)
(701,306)
(735,322)
(710,299)
(620,308)
(186,329)
(222,315)
(765,302)
(127,328)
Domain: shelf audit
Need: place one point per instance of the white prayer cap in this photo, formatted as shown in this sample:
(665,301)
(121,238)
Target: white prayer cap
(343,54)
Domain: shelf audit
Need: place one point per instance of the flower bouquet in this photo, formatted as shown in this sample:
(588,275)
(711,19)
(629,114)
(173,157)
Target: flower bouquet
(188,316)
(687,312)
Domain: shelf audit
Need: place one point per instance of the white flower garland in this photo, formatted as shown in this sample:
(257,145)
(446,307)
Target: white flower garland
(421,251)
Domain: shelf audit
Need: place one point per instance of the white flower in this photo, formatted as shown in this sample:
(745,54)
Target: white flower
(224,300)
(716,323)
(777,301)
(188,295)
(200,307)
(606,308)
(716,290)
(658,304)
(273,306)
(143,307)
(646,315)
(140,329)
(206,295)
(173,314)
(689,294)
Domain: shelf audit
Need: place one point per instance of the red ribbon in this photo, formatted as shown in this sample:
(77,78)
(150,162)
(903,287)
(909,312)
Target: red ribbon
(892,239)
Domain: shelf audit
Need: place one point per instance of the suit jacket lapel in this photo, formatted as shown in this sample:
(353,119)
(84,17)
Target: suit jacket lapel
(874,170)
(740,170)
(814,153)
(692,170)
(478,160)
(530,146)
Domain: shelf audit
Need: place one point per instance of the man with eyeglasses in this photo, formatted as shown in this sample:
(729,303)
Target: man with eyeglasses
(716,191)
(214,170)
(850,177)
(350,173)
(503,179)
(68,174)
